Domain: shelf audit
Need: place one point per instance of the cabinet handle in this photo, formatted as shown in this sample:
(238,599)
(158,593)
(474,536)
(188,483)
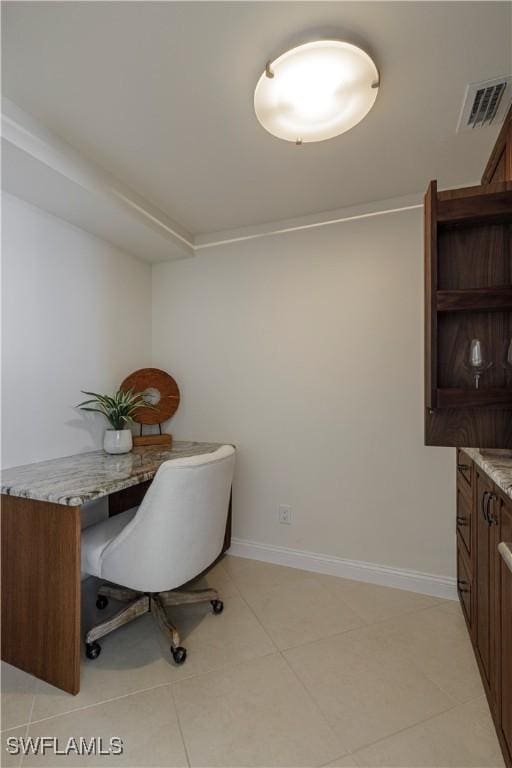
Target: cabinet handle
(484,506)
(462,586)
(463,467)
(491,517)
(461,521)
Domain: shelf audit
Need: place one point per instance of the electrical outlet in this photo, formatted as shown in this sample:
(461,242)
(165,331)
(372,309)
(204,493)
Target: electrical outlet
(285,514)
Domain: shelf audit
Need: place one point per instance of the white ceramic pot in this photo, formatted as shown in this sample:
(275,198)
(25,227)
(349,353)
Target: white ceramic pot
(118,440)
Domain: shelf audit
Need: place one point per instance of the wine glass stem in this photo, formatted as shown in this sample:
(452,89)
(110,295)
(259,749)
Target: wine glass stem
(477,380)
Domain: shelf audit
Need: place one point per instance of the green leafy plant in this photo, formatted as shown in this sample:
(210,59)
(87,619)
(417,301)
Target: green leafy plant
(117,408)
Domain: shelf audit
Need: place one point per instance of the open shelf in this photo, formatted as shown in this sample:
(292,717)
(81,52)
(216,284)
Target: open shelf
(475,299)
(454,397)
(468,295)
(475,205)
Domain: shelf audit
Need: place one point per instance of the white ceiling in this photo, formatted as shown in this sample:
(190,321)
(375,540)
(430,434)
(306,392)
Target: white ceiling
(160,95)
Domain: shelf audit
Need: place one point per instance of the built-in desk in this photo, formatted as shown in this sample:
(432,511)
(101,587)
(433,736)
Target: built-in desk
(41,549)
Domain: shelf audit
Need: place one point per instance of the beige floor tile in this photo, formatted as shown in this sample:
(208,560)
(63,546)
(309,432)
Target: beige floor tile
(213,641)
(146,722)
(464,737)
(301,611)
(366,688)
(437,641)
(218,578)
(131,660)
(255,714)
(137,656)
(8,758)
(450,606)
(253,574)
(17,696)
(407,686)
(375,603)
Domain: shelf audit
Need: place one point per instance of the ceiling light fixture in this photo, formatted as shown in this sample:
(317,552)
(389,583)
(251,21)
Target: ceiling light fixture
(316,91)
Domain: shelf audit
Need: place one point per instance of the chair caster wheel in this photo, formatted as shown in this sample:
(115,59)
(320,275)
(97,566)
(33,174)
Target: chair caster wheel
(218,606)
(92,650)
(179,654)
(101,602)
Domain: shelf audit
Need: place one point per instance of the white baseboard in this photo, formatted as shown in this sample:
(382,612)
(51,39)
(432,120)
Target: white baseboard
(400,578)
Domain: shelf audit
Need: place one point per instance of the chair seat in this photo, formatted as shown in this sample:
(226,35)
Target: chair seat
(97,537)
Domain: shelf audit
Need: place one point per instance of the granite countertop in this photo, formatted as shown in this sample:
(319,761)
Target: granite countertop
(74,480)
(499,468)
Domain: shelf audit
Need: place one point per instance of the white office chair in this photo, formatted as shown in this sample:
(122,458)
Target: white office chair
(175,534)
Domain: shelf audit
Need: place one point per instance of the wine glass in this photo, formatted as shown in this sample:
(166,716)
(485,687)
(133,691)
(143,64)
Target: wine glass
(507,362)
(477,361)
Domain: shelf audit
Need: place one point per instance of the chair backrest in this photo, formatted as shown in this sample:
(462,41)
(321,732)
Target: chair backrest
(179,528)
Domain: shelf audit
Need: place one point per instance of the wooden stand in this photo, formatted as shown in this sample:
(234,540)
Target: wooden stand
(164,440)
(153,381)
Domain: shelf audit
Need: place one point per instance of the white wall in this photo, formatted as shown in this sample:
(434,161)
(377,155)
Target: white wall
(306,350)
(76,314)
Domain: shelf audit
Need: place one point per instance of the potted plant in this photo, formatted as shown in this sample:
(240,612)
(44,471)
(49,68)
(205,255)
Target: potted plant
(118,409)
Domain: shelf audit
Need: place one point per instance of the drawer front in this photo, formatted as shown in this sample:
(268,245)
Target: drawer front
(464,587)
(464,520)
(465,471)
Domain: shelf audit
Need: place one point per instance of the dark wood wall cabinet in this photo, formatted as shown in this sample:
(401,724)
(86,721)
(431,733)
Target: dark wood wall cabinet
(484,583)
(468,296)
(468,400)
(499,165)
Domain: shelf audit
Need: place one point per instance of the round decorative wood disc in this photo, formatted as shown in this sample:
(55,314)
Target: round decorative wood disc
(159,389)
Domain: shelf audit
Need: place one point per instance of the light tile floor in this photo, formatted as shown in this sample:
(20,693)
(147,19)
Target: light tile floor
(299,670)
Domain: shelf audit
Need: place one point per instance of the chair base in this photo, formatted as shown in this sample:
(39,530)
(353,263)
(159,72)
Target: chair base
(140,603)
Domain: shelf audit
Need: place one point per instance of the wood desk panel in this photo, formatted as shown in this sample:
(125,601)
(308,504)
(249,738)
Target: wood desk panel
(41,590)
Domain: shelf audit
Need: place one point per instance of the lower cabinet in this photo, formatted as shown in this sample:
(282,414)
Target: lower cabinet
(506,632)
(486,581)
(465,588)
(484,584)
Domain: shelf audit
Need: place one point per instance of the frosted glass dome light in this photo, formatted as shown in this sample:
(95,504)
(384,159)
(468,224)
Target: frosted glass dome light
(316,91)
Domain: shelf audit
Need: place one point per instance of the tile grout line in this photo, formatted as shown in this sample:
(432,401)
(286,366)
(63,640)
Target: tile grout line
(315,703)
(178,720)
(27,727)
(410,727)
(170,683)
(281,654)
(367,623)
(294,673)
(278,652)
(98,703)
(439,602)
(251,610)
(454,704)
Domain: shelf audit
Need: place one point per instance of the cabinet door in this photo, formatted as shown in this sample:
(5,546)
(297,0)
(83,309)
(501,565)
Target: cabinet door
(465,471)
(487,619)
(465,588)
(506,633)
(499,165)
(464,520)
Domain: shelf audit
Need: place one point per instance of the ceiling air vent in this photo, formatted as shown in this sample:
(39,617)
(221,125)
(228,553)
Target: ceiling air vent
(485,103)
